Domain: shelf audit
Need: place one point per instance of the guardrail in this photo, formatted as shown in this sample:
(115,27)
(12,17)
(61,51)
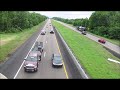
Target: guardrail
(112,52)
(73,62)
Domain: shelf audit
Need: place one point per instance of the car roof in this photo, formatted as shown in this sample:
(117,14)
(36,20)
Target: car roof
(56,54)
(33,53)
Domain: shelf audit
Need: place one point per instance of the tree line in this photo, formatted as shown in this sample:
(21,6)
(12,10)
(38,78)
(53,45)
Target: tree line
(15,21)
(104,23)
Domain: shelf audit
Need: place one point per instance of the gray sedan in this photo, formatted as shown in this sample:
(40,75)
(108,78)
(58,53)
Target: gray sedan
(57,60)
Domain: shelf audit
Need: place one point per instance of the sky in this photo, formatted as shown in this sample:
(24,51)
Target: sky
(66,14)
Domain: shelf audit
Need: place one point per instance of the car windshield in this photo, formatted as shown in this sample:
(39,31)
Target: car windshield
(34,59)
(39,46)
(57,59)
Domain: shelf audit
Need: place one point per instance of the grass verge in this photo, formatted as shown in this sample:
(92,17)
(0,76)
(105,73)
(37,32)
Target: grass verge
(92,56)
(14,40)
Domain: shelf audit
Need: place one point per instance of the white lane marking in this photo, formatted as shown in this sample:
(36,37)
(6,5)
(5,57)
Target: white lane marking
(46,41)
(19,69)
(27,55)
(44,54)
(113,60)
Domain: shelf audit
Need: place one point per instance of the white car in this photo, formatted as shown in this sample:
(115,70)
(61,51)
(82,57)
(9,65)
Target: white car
(43,32)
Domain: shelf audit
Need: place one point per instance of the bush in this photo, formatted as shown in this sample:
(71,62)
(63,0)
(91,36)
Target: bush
(114,33)
(14,21)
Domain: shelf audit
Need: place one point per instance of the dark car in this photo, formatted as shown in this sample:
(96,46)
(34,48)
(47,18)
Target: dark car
(101,40)
(43,32)
(51,31)
(57,60)
(32,61)
(40,46)
(84,32)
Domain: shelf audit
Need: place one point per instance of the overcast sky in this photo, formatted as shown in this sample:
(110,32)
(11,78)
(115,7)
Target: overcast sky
(66,14)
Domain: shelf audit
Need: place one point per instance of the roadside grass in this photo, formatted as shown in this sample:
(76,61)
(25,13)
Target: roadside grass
(116,42)
(92,56)
(14,40)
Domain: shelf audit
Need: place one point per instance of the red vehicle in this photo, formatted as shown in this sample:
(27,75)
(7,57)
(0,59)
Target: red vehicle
(102,40)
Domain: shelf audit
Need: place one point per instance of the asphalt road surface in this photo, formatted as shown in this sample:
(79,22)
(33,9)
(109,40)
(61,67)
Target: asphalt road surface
(109,45)
(13,68)
(45,69)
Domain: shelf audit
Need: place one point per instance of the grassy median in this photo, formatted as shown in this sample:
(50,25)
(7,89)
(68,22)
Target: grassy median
(92,56)
(10,41)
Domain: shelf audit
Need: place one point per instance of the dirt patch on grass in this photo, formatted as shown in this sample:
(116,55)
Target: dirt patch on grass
(6,40)
(2,42)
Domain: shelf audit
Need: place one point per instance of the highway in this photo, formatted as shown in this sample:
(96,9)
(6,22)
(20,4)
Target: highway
(45,69)
(109,45)
(13,67)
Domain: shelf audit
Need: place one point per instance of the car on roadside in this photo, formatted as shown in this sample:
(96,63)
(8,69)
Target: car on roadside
(57,60)
(101,41)
(43,32)
(32,61)
(84,32)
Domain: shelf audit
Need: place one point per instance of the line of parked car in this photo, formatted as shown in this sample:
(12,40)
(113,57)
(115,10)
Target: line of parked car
(32,61)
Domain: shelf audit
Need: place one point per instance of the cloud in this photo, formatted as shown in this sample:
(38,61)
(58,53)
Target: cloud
(66,14)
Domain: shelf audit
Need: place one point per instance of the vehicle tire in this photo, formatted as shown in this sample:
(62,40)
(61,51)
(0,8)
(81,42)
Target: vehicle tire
(36,70)
(40,58)
(61,66)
